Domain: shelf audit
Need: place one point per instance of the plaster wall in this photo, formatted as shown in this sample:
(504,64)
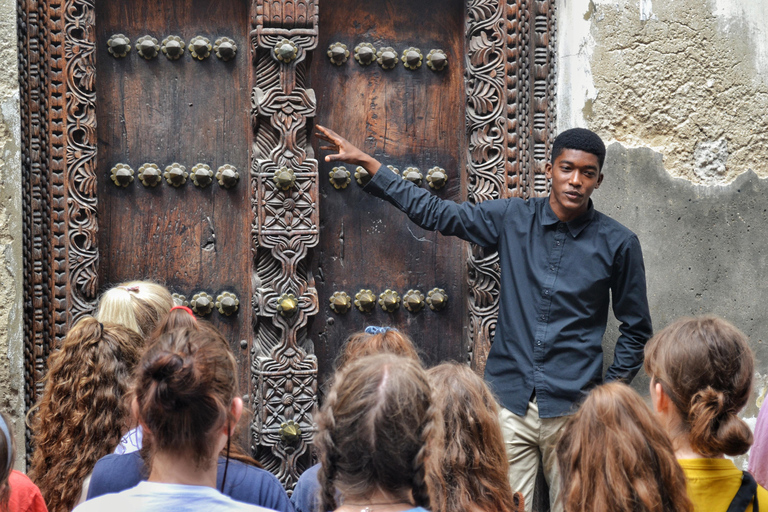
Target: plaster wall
(680,90)
(11,259)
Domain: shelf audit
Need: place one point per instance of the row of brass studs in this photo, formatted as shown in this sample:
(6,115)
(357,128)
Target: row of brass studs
(172,47)
(175,174)
(389,300)
(386,56)
(340,177)
(202,304)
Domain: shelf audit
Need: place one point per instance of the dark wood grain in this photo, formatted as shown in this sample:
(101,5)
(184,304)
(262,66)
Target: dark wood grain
(405,118)
(187,111)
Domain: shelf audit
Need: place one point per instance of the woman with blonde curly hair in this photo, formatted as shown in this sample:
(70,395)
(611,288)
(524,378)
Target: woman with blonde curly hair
(473,459)
(379,438)
(82,413)
(614,457)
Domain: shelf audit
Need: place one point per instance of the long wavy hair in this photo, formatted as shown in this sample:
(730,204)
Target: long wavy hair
(390,341)
(705,366)
(379,431)
(614,457)
(474,460)
(82,413)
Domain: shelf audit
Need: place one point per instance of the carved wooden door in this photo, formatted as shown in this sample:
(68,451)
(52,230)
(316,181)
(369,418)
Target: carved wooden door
(389,76)
(170,140)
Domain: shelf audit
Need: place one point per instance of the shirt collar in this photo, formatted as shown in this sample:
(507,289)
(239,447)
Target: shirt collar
(576,226)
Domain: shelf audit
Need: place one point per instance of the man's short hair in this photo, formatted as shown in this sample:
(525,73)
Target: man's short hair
(579,139)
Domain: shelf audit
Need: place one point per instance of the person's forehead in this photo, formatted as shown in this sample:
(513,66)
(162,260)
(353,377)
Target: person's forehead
(579,157)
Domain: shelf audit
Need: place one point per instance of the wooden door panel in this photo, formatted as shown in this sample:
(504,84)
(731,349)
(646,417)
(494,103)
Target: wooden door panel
(187,111)
(406,118)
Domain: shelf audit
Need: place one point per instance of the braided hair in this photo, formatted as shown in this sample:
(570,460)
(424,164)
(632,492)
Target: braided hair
(378,430)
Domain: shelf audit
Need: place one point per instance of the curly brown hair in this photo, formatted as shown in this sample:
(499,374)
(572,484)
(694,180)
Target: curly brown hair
(614,456)
(82,413)
(474,460)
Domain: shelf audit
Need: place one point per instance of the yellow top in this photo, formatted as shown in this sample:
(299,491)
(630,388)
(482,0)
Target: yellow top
(713,483)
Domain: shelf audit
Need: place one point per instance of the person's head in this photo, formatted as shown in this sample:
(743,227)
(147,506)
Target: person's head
(473,460)
(7,458)
(379,432)
(82,413)
(701,376)
(179,317)
(612,455)
(186,395)
(376,340)
(138,305)
(575,171)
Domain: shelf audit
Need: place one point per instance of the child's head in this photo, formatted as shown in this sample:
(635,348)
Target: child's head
(138,305)
(378,431)
(613,455)
(701,376)
(377,340)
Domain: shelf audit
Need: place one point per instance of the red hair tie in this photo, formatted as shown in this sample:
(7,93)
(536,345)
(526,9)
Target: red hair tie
(185,308)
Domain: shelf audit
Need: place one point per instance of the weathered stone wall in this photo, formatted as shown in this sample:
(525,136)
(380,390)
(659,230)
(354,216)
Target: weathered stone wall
(681,90)
(11,277)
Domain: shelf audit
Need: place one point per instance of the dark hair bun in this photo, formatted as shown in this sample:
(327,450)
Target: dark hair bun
(165,366)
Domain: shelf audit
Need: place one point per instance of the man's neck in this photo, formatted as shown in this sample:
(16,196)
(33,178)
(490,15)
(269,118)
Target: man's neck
(565,215)
(174,469)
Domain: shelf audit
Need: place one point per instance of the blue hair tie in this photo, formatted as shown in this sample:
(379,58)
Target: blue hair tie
(8,440)
(375,329)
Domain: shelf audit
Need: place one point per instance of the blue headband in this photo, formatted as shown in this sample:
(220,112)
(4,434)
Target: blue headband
(8,440)
(375,329)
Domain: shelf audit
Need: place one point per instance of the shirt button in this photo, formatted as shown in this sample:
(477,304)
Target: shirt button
(558,242)
(562,227)
(546,292)
(552,268)
(538,342)
(542,318)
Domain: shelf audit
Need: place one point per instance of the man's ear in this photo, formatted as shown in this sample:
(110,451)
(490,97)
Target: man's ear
(548,170)
(599,180)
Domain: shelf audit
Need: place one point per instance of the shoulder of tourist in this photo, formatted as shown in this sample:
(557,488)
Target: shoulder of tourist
(304,497)
(255,486)
(114,473)
(762,496)
(24,495)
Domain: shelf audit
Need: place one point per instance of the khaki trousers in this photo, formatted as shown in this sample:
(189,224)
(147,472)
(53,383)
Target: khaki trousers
(526,438)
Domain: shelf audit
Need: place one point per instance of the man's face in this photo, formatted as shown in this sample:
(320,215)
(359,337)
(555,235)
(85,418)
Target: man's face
(575,174)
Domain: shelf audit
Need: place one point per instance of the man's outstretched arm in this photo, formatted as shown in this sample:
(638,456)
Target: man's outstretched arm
(480,224)
(630,306)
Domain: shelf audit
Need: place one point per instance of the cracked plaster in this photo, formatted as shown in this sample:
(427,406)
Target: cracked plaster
(687,78)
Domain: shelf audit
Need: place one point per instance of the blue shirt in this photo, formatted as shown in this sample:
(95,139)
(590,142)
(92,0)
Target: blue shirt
(557,280)
(248,484)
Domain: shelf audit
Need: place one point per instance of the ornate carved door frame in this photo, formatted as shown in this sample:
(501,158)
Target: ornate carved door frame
(510,120)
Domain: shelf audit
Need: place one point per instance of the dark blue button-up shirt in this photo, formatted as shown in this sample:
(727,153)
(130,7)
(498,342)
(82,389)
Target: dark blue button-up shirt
(557,279)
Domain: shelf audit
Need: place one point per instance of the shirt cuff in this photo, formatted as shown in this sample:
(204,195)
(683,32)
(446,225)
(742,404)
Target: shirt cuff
(383,178)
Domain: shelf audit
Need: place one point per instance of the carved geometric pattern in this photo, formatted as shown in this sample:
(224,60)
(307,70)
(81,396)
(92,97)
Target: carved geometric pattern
(510,77)
(285,228)
(80,169)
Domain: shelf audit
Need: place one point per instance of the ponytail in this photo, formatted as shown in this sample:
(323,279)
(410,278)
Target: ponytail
(714,428)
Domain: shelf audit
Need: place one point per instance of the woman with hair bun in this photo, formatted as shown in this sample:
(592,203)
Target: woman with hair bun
(379,438)
(614,457)
(473,460)
(138,305)
(82,413)
(187,401)
(701,373)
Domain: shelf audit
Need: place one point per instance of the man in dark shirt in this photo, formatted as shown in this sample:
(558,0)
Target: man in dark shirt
(561,263)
